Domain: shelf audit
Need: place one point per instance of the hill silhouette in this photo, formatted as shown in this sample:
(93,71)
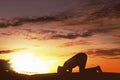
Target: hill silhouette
(55,76)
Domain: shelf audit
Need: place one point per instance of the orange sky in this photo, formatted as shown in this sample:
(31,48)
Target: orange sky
(51,40)
(59,50)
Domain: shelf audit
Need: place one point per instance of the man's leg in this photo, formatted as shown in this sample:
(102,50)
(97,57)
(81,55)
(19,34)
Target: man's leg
(93,69)
(99,69)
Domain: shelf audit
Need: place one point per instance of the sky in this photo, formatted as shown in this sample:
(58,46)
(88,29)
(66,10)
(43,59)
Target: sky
(32,7)
(54,30)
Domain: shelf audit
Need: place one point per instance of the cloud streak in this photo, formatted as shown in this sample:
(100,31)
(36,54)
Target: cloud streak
(81,15)
(88,33)
(19,21)
(77,15)
(115,52)
(74,43)
(10,51)
(45,34)
(94,12)
(6,51)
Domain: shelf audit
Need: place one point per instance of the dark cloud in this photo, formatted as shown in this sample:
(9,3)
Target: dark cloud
(5,34)
(51,35)
(6,51)
(40,34)
(40,31)
(10,51)
(55,34)
(45,34)
(82,14)
(19,21)
(87,33)
(91,32)
(93,11)
(73,35)
(90,11)
(77,15)
(111,10)
(67,36)
(105,52)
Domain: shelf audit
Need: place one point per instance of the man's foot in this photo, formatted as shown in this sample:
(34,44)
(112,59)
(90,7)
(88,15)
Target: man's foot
(98,69)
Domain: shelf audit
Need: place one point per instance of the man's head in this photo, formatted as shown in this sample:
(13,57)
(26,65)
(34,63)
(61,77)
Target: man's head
(61,69)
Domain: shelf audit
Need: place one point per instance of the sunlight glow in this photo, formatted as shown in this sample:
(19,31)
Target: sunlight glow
(28,63)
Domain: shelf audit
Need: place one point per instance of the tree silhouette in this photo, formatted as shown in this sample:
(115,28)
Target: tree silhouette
(4,68)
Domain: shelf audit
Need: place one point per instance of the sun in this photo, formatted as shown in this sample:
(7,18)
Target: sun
(28,63)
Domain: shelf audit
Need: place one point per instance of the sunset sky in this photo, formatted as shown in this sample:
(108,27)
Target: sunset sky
(39,33)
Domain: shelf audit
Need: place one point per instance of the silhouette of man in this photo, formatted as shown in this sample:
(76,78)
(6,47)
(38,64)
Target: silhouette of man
(77,60)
